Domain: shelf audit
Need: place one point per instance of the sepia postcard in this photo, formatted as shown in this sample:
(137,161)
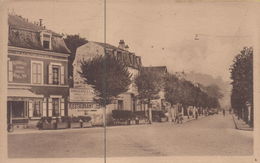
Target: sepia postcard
(113,81)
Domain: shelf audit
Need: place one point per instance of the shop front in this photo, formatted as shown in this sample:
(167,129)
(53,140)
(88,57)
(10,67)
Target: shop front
(21,105)
(25,107)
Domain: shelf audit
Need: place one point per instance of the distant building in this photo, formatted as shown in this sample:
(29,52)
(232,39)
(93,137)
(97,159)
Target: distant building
(160,103)
(37,73)
(127,100)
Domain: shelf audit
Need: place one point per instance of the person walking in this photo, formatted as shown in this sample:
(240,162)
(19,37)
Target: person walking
(196,113)
(224,112)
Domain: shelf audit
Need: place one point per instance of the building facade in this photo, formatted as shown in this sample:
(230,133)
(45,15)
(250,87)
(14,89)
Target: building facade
(37,73)
(125,101)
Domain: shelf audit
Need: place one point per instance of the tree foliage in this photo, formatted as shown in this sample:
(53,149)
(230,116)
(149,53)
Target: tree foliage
(108,76)
(179,90)
(149,84)
(172,89)
(73,42)
(213,90)
(242,79)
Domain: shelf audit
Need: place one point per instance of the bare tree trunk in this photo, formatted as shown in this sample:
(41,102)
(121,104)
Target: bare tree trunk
(149,111)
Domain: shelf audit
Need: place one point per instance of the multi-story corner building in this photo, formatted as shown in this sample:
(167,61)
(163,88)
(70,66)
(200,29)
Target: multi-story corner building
(37,73)
(160,103)
(125,101)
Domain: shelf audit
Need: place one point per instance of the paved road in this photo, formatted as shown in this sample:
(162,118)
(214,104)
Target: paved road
(213,135)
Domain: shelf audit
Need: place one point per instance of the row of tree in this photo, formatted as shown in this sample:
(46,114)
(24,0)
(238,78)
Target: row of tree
(177,90)
(242,85)
(110,77)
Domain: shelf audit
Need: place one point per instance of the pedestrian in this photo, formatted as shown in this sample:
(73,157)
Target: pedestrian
(193,112)
(137,120)
(196,114)
(223,112)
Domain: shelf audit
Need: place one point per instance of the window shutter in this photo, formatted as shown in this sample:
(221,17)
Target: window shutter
(62,75)
(50,74)
(10,71)
(50,107)
(39,73)
(62,107)
(44,107)
(34,70)
(30,109)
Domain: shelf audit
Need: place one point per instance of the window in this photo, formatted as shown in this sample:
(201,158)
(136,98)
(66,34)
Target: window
(18,109)
(55,107)
(120,105)
(46,40)
(37,72)
(37,109)
(55,71)
(46,44)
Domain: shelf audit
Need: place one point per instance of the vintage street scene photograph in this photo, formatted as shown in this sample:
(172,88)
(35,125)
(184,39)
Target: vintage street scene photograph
(130,78)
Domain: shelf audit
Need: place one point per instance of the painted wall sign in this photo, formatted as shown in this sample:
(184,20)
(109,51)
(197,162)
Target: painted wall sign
(81,94)
(85,105)
(20,71)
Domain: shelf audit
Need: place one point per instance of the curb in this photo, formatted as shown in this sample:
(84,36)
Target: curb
(239,128)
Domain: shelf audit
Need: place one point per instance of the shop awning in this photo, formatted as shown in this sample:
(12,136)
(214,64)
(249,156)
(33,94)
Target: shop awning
(22,93)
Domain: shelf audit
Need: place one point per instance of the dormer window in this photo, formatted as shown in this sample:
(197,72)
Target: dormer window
(46,44)
(46,40)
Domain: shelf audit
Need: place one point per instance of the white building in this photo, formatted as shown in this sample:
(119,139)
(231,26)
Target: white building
(125,101)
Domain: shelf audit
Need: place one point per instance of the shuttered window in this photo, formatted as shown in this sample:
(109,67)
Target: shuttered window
(56,74)
(37,72)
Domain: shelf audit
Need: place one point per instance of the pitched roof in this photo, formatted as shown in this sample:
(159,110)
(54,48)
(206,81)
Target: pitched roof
(25,34)
(128,58)
(162,69)
(109,46)
(106,45)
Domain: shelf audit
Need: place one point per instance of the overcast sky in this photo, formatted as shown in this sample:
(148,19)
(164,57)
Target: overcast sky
(161,32)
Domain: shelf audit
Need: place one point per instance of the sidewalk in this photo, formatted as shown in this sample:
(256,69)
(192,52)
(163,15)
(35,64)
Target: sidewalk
(240,124)
(29,131)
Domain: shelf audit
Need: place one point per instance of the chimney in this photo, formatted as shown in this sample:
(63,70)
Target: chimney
(127,48)
(40,22)
(121,44)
